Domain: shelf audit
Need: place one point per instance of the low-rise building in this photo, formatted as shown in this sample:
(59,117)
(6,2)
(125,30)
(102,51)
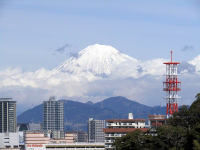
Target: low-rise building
(71,137)
(41,140)
(82,136)
(9,140)
(156,121)
(21,127)
(120,127)
(36,139)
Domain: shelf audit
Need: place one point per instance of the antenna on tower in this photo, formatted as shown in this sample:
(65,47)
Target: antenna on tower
(171,55)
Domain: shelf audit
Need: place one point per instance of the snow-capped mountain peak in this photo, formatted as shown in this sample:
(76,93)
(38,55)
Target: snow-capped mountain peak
(105,61)
(96,59)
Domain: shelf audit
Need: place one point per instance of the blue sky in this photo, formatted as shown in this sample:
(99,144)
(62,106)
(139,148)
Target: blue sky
(31,31)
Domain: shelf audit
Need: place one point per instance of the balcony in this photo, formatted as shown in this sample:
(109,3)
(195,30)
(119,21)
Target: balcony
(109,141)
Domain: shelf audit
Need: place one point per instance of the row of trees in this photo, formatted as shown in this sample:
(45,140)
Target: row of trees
(182,132)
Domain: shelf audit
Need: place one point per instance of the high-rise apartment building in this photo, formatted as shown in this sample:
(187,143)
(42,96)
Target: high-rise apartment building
(7,115)
(95,130)
(53,117)
(9,138)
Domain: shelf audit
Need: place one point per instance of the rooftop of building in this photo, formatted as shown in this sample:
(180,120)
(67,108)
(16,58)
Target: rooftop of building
(78,145)
(125,120)
(156,115)
(35,131)
(158,119)
(123,130)
(6,99)
(170,63)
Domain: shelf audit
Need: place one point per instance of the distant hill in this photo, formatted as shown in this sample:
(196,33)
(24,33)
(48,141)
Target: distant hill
(123,106)
(76,114)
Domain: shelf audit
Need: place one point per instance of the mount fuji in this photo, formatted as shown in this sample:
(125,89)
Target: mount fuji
(105,61)
(99,60)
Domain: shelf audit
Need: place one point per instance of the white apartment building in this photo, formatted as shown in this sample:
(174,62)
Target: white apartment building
(120,127)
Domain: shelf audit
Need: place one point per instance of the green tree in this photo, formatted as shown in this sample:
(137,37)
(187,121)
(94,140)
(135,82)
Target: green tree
(194,111)
(181,118)
(193,136)
(132,141)
(171,137)
(196,145)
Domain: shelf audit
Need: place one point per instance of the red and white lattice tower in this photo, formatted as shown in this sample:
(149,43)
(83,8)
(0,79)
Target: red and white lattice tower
(171,86)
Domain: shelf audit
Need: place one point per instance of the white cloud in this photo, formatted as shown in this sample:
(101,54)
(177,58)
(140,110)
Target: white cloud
(154,67)
(196,63)
(31,88)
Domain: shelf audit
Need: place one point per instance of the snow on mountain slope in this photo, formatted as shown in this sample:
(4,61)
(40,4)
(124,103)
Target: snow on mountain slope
(97,61)
(100,60)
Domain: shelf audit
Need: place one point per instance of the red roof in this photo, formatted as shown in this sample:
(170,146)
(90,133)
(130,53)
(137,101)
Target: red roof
(158,119)
(156,115)
(123,130)
(175,63)
(125,120)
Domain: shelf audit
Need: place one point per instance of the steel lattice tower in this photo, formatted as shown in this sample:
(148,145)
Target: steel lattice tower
(171,86)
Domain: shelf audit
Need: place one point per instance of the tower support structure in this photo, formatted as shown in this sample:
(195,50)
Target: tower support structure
(171,86)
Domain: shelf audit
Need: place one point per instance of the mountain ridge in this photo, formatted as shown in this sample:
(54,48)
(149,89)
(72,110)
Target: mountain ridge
(76,114)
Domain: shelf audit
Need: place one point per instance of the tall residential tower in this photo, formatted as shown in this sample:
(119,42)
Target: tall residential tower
(7,115)
(95,130)
(9,137)
(53,117)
